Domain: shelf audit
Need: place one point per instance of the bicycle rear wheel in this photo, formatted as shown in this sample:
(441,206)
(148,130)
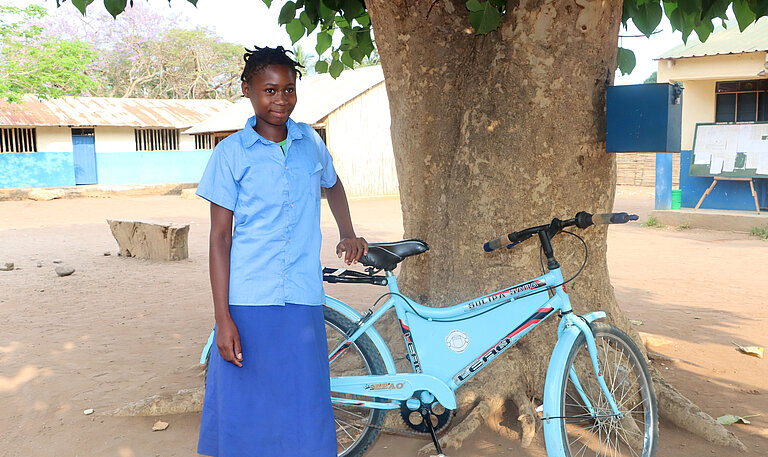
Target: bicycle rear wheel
(589,427)
(356,426)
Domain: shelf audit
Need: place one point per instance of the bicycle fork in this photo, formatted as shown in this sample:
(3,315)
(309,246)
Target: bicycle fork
(586,329)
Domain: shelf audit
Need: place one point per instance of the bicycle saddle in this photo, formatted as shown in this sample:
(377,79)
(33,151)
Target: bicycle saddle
(386,256)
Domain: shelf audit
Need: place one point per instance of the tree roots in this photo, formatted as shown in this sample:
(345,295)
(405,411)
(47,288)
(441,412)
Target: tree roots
(183,401)
(674,407)
(490,411)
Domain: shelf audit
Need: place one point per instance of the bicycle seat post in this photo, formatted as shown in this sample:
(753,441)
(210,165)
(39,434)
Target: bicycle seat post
(546,245)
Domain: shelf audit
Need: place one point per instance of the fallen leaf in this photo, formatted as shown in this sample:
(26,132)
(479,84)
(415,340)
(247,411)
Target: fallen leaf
(159,426)
(754,351)
(730,419)
(634,322)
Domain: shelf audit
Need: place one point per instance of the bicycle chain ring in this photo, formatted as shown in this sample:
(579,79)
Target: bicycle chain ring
(440,415)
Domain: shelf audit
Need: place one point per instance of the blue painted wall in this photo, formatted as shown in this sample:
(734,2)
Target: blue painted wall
(726,194)
(151,167)
(37,169)
(57,169)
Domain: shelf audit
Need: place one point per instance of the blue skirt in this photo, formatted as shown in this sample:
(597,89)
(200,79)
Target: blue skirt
(278,404)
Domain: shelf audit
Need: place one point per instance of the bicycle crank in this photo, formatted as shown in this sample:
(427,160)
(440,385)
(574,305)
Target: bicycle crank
(411,413)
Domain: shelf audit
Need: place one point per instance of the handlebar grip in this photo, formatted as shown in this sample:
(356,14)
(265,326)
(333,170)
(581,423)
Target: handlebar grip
(491,246)
(613,218)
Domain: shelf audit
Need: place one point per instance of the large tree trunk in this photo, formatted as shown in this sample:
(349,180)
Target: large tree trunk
(493,133)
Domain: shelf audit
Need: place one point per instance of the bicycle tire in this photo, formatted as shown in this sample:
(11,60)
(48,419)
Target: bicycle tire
(626,374)
(361,358)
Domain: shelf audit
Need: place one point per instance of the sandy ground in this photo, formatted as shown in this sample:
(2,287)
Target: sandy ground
(121,329)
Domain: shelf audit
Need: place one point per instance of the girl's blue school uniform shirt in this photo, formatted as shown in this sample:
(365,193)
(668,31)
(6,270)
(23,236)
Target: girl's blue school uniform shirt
(275,198)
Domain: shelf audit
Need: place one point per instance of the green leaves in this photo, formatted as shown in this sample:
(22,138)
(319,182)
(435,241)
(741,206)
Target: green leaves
(295,30)
(483,16)
(647,17)
(81,5)
(625,61)
(114,7)
(336,68)
(287,13)
(744,14)
(324,41)
(321,66)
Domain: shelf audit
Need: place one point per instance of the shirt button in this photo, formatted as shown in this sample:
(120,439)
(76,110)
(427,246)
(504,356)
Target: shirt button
(291,205)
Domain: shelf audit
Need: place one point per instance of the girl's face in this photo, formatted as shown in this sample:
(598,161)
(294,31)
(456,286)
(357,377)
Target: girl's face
(272,92)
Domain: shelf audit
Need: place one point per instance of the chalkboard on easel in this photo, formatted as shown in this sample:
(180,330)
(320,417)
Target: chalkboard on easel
(730,150)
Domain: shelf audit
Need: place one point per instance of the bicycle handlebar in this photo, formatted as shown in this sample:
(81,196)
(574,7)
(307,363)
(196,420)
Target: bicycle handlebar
(582,220)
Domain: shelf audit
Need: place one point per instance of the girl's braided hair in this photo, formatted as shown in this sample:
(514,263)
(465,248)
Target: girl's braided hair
(260,58)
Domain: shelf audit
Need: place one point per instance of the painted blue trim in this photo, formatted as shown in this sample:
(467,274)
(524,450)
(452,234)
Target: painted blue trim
(36,169)
(84,154)
(553,385)
(727,195)
(663,181)
(151,167)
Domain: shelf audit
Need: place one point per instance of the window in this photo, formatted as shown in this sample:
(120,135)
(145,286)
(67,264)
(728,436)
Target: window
(321,131)
(157,139)
(741,101)
(18,140)
(204,141)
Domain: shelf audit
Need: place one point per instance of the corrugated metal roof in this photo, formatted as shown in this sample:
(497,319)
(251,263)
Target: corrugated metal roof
(724,41)
(102,111)
(318,96)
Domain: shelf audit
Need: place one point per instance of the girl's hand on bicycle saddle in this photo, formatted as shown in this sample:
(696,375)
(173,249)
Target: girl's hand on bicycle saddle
(353,248)
(228,341)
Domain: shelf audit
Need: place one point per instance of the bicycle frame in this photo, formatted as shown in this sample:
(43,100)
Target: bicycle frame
(447,346)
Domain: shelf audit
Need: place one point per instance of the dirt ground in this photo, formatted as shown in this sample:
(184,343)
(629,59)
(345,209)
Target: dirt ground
(121,329)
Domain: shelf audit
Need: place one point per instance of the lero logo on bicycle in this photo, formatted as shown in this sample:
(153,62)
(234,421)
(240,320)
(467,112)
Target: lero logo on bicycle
(530,285)
(384,386)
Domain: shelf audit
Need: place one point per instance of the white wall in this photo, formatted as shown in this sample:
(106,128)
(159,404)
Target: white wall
(115,139)
(54,139)
(358,137)
(186,142)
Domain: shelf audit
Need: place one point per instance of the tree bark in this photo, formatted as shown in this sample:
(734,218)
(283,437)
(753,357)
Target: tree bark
(494,133)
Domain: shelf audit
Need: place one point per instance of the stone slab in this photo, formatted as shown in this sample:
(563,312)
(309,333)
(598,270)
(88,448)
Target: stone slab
(733,221)
(151,239)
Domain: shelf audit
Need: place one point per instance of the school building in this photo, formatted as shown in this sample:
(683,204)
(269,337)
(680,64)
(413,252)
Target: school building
(351,114)
(108,141)
(725,82)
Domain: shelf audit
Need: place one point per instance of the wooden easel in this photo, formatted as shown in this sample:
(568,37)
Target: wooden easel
(718,178)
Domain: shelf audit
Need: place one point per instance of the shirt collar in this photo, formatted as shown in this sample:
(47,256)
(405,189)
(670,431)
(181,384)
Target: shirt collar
(250,136)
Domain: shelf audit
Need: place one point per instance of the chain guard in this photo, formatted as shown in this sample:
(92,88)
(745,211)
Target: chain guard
(413,419)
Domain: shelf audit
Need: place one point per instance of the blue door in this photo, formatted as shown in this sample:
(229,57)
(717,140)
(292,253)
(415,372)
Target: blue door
(84,152)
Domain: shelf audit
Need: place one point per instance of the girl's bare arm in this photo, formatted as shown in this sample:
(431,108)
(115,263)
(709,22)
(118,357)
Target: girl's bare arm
(227,336)
(350,244)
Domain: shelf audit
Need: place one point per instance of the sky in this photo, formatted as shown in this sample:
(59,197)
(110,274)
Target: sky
(249,22)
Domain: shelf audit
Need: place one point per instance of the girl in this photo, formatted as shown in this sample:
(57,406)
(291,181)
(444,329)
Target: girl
(268,392)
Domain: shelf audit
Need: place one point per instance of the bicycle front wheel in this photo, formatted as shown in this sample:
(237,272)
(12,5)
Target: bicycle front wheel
(356,426)
(589,426)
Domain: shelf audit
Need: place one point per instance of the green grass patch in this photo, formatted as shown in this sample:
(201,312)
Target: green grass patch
(762,233)
(684,226)
(653,222)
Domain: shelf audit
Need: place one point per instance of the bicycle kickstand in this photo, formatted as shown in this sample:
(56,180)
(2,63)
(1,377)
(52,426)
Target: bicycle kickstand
(428,422)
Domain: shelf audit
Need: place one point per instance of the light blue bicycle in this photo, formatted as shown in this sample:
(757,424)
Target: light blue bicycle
(598,397)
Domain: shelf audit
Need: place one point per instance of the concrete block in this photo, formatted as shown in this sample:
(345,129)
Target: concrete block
(150,239)
(734,221)
(189,194)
